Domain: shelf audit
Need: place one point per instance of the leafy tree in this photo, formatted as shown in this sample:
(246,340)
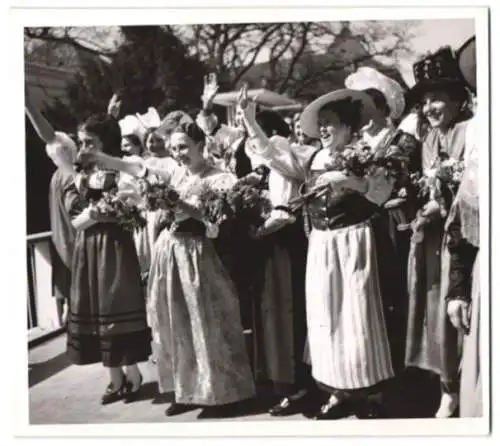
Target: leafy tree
(151,67)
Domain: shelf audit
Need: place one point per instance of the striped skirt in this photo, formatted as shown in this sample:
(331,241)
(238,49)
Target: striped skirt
(347,336)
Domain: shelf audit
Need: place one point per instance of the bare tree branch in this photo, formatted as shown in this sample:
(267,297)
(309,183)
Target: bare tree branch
(63,36)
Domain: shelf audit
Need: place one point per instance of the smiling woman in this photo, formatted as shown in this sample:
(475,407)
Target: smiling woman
(432,342)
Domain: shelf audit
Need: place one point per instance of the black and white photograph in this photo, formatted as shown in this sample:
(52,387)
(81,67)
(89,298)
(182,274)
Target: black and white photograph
(254,217)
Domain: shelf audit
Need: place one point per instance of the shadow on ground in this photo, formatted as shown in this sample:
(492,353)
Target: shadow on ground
(41,371)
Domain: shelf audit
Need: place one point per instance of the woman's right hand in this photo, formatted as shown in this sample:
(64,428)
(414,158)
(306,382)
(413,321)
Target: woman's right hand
(247,106)
(210,89)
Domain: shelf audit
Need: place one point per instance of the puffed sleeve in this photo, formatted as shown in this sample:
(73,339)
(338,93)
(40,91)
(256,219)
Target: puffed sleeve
(62,150)
(281,190)
(282,157)
(167,167)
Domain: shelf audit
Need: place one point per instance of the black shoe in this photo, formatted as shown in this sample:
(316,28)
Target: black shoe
(132,394)
(177,409)
(290,405)
(332,412)
(112,396)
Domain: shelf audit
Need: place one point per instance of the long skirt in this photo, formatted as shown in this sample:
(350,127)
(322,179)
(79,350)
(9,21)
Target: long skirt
(347,336)
(471,397)
(198,324)
(432,343)
(274,321)
(107,313)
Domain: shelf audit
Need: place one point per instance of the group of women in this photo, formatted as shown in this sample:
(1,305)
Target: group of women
(349,280)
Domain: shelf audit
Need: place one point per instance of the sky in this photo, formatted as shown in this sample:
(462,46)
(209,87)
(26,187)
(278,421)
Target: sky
(433,34)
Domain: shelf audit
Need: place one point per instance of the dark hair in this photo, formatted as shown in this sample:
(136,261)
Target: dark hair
(191,130)
(135,140)
(379,100)
(349,112)
(106,128)
(273,124)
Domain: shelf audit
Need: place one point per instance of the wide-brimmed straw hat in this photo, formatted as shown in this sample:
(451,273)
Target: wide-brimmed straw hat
(309,117)
(368,78)
(438,71)
(466,57)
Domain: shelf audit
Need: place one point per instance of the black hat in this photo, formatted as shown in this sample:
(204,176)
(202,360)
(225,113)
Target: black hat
(466,58)
(435,72)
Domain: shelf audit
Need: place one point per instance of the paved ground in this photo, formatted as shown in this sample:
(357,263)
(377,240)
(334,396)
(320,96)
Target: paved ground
(61,393)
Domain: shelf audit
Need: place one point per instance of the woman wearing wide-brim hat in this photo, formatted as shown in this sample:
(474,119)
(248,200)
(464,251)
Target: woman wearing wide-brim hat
(347,337)
(432,343)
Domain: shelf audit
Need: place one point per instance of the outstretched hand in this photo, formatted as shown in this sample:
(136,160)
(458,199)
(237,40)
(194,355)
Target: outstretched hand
(247,106)
(210,89)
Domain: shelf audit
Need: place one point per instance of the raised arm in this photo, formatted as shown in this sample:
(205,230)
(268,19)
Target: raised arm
(42,127)
(276,151)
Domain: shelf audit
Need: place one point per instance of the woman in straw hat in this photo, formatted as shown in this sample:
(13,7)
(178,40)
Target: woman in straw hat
(347,336)
(432,342)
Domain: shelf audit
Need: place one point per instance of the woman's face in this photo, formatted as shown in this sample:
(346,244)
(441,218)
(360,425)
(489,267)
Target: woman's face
(129,147)
(185,150)
(333,134)
(439,108)
(155,143)
(89,142)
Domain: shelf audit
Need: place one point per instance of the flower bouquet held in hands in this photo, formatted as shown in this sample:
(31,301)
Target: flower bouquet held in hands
(110,198)
(437,186)
(215,209)
(358,161)
(114,207)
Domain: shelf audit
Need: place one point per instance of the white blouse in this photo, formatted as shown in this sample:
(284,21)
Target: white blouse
(293,163)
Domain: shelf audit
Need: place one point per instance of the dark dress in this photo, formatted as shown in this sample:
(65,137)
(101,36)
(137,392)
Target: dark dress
(107,314)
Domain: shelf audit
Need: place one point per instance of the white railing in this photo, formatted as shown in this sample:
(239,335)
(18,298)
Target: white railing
(43,316)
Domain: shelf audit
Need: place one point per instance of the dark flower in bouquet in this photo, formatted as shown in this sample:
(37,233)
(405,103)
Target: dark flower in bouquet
(158,195)
(215,205)
(250,204)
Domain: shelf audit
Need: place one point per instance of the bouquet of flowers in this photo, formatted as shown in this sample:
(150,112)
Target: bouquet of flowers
(441,180)
(115,207)
(249,203)
(157,195)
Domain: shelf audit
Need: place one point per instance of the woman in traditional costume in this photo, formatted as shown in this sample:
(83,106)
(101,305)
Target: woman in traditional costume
(202,348)
(107,313)
(347,336)
(432,343)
